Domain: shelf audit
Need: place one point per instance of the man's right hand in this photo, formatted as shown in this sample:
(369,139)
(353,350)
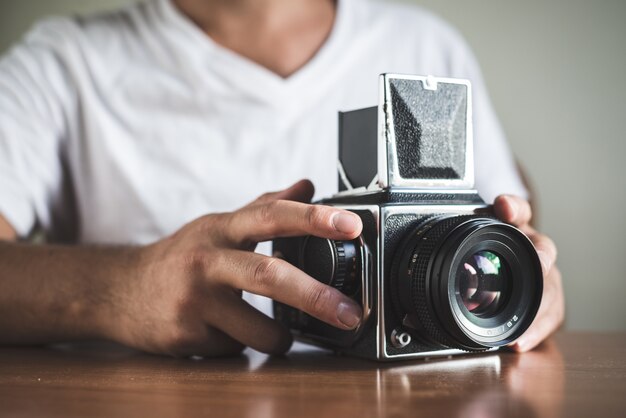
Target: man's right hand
(185,295)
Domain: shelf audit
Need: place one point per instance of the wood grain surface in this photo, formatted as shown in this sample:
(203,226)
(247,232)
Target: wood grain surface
(571,375)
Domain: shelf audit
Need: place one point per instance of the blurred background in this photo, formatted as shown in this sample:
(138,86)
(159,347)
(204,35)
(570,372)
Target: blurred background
(556,73)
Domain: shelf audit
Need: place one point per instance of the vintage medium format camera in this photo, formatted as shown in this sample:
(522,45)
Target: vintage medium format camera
(434,271)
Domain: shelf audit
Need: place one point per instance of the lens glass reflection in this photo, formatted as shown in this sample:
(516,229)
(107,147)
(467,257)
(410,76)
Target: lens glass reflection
(483,282)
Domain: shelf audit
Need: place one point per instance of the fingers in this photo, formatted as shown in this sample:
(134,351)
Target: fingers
(517,211)
(201,341)
(247,325)
(219,344)
(549,317)
(301,191)
(282,218)
(279,280)
(546,250)
(512,209)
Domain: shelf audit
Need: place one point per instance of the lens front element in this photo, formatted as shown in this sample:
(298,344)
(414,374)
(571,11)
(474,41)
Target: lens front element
(484,283)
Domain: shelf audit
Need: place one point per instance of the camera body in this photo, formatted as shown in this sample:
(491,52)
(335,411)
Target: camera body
(434,272)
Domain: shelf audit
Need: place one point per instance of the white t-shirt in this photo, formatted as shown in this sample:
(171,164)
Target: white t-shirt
(121,127)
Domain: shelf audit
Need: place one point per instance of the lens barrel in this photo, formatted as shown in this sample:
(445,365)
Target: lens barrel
(467,282)
(334,263)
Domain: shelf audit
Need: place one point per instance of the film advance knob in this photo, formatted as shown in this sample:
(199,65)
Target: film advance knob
(335,263)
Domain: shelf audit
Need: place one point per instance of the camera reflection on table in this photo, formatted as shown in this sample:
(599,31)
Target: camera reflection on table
(488,385)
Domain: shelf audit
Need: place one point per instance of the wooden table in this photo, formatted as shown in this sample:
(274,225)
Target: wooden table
(572,375)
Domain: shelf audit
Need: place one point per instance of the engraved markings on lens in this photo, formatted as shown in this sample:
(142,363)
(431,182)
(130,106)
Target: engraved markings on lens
(501,329)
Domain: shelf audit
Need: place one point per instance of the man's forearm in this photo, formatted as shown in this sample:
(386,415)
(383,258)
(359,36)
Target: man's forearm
(59,293)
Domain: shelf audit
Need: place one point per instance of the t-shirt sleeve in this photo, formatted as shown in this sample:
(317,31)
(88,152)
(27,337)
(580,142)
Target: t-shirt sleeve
(494,164)
(35,94)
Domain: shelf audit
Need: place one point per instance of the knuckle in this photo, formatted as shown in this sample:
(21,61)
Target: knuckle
(557,311)
(214,264)
(232,231)
(193,261)
(218,228)
(207,224)
(209,219)
(315,215)
(560,314)
(265,197)
(526,208)
(266,273)
(544,243)
(180,341)
(553,299)
(266,213)
(317,299)
(551,244)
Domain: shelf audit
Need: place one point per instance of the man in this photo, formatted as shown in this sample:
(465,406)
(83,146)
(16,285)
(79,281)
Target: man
(117,130)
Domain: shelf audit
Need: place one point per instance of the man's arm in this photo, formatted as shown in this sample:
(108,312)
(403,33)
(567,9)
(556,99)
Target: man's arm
(54,293)
(180,295)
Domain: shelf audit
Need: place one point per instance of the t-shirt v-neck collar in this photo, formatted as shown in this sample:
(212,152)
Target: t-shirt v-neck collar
(253,79)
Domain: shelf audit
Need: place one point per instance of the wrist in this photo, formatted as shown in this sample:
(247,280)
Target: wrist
(114,297)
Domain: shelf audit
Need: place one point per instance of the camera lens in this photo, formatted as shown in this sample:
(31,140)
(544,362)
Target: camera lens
(466,282)
(335,263)
(484,283)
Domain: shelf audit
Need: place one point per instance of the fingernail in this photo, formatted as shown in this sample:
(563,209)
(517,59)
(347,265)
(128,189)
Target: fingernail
(345,222)
(545,260)
(349,314)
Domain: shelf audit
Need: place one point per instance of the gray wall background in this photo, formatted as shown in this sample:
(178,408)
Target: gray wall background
(556,72)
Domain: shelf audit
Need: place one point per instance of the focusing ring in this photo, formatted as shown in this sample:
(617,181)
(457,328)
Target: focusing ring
(419,267)
(334,263)
(340,269)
